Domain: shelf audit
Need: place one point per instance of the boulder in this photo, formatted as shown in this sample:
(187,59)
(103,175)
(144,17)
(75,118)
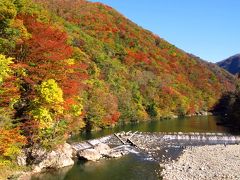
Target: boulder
(103,149)
(114,154)
(204,113)
(61,157)
(90,155)
(37,154)
(25,176)
(22,159)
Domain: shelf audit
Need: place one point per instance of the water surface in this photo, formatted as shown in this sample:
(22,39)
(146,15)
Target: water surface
(130,167)
(185,124)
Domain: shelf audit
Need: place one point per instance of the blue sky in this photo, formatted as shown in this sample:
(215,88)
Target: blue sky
(209,29)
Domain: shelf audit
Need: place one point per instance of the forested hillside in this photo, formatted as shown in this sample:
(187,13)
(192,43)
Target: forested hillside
(68,65)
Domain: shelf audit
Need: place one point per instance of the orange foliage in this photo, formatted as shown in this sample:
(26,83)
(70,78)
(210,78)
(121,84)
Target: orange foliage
(10,91)
(168,90)
(68,103)
(10,138)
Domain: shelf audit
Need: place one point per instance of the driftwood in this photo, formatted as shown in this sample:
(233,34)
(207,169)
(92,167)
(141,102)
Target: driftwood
(133,134)
(128,141)
(90,144)
(131,143)
(119,138)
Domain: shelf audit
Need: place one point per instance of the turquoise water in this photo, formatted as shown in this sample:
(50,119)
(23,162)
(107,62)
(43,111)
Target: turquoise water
(132,166)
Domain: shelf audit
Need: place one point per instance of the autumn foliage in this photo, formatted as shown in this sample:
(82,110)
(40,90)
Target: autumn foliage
(11,142)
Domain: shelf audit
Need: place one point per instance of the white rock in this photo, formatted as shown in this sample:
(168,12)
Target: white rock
(90,155)
(103,149)
(61,157)
(22,159)
(116,154)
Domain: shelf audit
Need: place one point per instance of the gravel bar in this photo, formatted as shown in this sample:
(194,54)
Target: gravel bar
(205,162)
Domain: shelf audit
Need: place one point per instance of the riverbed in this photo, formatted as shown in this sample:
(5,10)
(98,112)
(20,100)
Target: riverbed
(205,162)
(136,165)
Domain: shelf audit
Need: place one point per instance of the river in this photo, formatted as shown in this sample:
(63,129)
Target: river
(135,166)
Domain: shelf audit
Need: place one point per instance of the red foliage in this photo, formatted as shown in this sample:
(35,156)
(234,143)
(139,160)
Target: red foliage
(47,51)
(112,118)
(115,117)
(9,91)
(168,90)
(191,109)
(137,57)
(68,103)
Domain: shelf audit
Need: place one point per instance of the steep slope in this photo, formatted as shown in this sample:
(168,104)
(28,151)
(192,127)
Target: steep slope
(177,76)
(231,64)
(79,65)
(223,75)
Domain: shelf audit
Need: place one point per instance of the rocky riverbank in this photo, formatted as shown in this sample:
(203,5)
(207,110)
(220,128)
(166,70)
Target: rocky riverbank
(41,160)
(205,162)
(160,147)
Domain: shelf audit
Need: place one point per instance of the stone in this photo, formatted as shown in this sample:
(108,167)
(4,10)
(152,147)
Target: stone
(103,149)
(169,168)
(59,158)
(116,154)
(174,116)
(25,176)
(37,154)
(206,162)
(22,159)
(90,155)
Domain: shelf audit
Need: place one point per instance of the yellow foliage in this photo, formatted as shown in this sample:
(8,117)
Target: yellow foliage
(7,10)
(50,92)
(12,151)
(5,70)
(70,61)
(77,109)
(44,117)
(4,163)
(18,24)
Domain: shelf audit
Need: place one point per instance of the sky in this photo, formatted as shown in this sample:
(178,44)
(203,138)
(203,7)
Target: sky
(209,29)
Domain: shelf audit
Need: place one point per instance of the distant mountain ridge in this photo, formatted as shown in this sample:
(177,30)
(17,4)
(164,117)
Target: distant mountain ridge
(231,64)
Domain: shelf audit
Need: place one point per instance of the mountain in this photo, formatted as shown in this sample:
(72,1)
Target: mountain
(71,65)
(231,64)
